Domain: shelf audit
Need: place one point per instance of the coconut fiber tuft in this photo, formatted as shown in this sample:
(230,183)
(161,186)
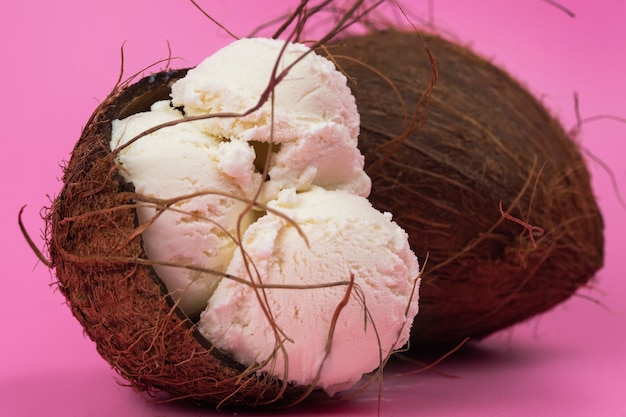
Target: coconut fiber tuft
(490,188)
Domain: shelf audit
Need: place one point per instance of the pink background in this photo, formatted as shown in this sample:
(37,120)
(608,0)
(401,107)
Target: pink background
(59,58)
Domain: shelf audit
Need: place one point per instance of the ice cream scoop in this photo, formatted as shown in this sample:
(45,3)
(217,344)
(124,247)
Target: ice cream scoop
(339,236)
(174,162)
(310,117)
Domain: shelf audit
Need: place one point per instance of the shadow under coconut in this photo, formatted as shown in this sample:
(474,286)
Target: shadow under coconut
(408,377)
(96,392)
(497,351)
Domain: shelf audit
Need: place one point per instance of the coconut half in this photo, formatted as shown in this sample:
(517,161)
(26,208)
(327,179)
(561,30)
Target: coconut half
(112,289)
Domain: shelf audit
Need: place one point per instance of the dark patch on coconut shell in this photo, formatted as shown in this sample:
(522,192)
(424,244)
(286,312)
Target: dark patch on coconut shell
(486,140)
(114,292)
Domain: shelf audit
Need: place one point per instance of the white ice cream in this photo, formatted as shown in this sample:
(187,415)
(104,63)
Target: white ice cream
(194,181)
(315,121)
(178,161)
(346,235)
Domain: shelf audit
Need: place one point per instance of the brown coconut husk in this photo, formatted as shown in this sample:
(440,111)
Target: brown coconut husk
(487,183)
(114,292)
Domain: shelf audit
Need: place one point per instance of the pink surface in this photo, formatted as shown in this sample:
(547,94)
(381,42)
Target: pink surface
(60,58)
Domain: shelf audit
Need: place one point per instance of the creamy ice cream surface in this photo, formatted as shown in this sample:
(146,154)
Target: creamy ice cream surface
(195,181)
(345,236)
(314,125)
(178,161)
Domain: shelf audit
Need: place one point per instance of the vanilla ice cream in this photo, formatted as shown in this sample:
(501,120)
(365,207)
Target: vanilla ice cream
(178,161)
(195,181)
(345,235)
(315,124)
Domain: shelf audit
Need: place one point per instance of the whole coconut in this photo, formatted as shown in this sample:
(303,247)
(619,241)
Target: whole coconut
(490,188)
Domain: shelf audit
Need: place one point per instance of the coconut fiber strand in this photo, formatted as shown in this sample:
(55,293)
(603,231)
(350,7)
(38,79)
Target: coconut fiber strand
(492,191)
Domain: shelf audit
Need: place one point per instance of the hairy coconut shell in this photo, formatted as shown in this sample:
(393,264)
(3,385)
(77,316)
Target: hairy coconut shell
(113,291)
(485,143)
